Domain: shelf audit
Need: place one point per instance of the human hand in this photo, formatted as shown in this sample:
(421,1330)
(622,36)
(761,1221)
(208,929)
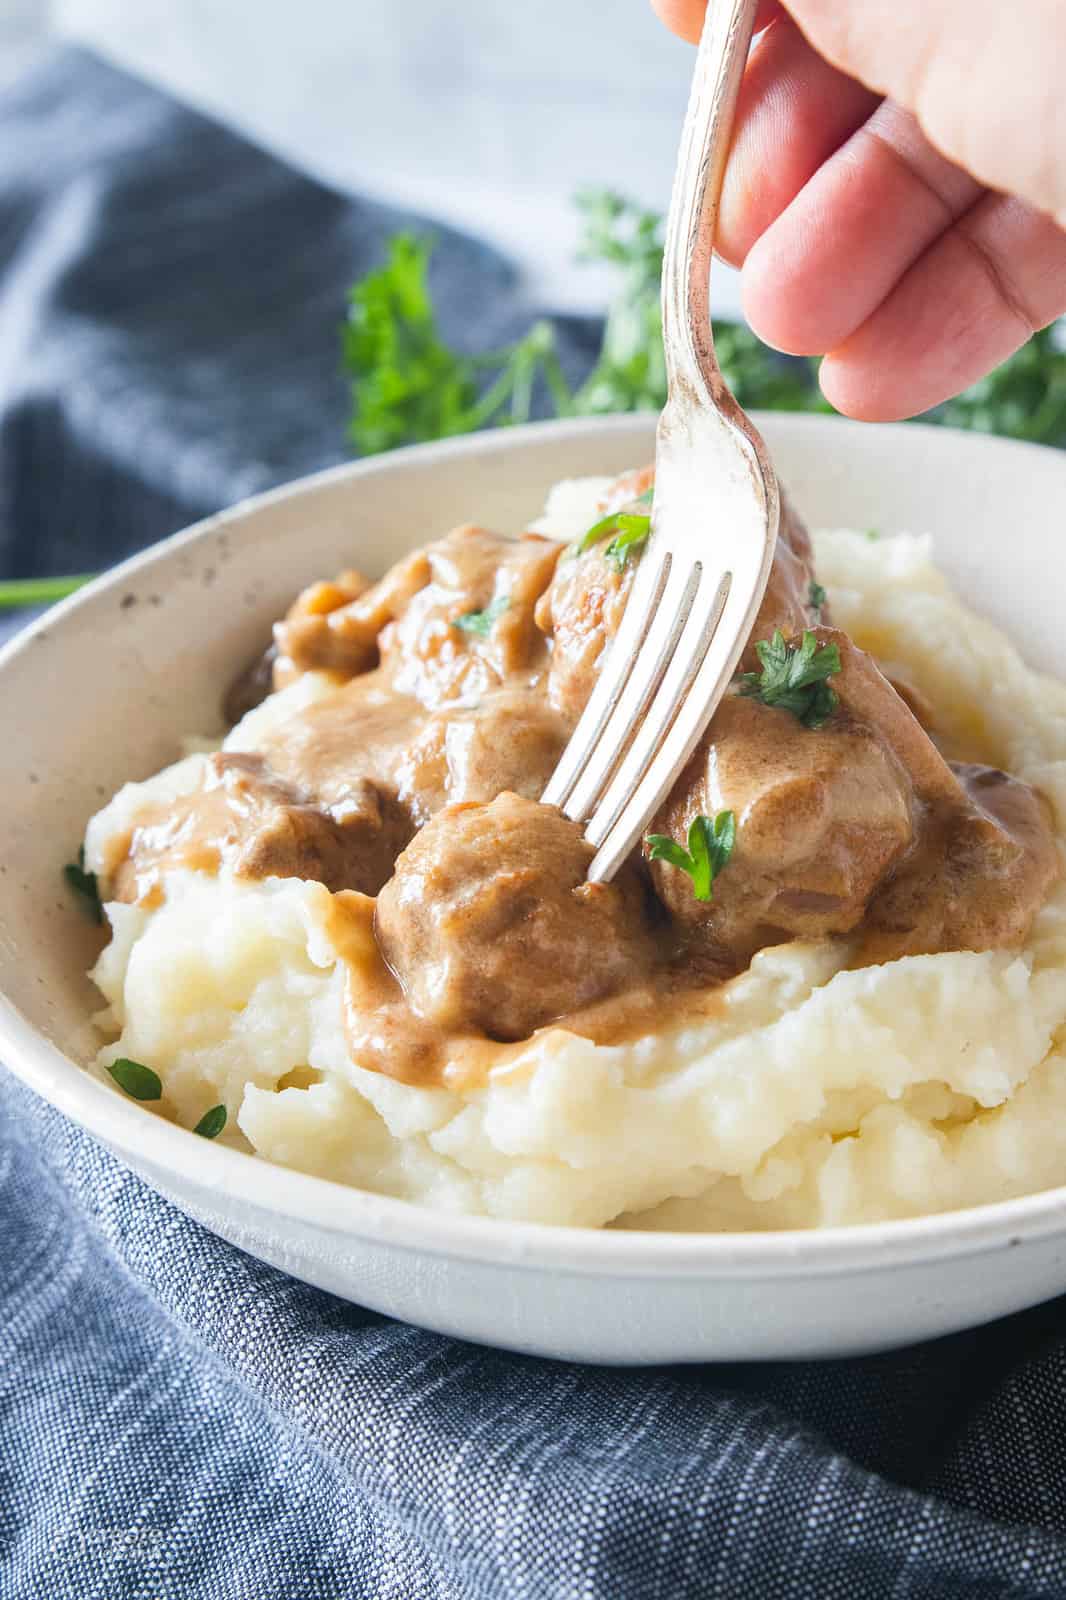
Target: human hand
(896,194)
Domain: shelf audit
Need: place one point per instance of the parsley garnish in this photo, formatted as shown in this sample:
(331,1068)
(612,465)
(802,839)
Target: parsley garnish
(710,845)
(633,531)
(211,1123)
(630,527)
(793,677)
(137,1080)
(816,598)
(141,1083)
(84,884)
(482,622)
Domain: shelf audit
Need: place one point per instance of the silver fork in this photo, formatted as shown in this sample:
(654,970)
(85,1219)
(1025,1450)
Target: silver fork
(705,566)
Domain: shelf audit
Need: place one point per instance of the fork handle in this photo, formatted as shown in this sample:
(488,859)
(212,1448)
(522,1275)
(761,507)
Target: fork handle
(690,230)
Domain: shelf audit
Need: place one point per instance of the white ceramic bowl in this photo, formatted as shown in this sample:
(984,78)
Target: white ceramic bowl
(101,689)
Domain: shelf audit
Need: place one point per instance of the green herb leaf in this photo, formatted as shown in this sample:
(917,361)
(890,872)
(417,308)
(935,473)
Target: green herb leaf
(408,384)
(481,623)
(630,371)
(211,1123)
(630,526)
(710,845)
(816,598)
(1025,398)
(633,532)
(84,884)
(137,1080)
(793,677)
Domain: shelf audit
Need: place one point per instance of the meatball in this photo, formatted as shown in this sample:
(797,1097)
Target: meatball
(582,611)
(787,601)
(326,630)
(244,815)
(582,608)
(490,925)
(413,619)
(822,816)
(510,740)
(980,874)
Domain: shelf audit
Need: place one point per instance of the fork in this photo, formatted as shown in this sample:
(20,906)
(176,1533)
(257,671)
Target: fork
(715,512)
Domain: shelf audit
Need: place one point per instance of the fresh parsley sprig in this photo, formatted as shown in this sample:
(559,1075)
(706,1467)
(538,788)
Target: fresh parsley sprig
(793,677)
(816,599)
(408,385)
(710,845)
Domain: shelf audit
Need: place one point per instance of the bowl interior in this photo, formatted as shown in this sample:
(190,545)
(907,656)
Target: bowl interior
(103,688)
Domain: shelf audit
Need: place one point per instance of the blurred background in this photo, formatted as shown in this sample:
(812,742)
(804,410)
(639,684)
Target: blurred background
(186,319)
(484,114)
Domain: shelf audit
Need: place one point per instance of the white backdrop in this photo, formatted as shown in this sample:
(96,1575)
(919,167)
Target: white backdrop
(487,112)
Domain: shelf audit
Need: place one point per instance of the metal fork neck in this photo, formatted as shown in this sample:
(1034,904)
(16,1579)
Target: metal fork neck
(691,367)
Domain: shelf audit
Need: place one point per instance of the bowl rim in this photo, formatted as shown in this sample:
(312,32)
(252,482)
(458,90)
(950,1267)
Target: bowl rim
(340,1209)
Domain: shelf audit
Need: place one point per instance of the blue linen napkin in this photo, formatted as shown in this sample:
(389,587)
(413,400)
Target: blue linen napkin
(178,1420)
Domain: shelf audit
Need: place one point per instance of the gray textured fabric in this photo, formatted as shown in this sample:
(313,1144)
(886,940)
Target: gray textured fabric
(178,1420)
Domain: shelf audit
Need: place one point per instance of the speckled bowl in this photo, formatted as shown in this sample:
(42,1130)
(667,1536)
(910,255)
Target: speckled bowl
(101,688)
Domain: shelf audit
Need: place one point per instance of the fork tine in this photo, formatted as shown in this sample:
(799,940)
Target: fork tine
(694,713)
(656,652)
(711,588)
(651,577)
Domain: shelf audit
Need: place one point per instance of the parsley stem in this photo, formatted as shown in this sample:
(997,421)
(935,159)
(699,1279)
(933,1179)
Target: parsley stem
(490,402)
(16,592)
(525,365)
(558,387)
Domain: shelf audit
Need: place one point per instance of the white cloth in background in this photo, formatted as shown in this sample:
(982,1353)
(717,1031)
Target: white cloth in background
(487,114)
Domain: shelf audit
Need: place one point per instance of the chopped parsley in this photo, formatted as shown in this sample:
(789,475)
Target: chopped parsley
(482,623)
(710,845)
(85,886)
(793,677)
(211,1123)
(137,1079)
(816,598)
(630,527)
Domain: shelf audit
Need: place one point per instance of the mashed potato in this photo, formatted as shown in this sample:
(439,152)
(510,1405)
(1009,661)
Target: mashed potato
(815,1096)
